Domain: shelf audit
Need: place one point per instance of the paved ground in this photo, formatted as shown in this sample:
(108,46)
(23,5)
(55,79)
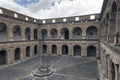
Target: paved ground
(65,67)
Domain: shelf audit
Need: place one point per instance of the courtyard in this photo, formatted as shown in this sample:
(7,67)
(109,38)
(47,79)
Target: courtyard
(65,68)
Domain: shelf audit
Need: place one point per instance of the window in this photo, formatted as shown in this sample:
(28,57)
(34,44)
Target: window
(15,15)
(35,20)
(53,21)
(1,11)
(76,18)
(64,20)
(92,17)
(26,18)
(44,21)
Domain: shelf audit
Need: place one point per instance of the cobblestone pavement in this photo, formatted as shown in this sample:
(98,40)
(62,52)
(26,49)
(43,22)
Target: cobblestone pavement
(65,68)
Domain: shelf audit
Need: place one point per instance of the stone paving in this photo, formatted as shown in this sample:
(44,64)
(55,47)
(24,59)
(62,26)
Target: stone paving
(65,68)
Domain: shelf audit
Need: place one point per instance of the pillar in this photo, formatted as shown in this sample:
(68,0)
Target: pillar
(10,33)
(84,33)
(59,50)
(10,56)
(49,49)
(70,50)
(22,33)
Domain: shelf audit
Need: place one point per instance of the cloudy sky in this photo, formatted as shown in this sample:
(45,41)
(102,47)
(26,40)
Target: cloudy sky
(42,9)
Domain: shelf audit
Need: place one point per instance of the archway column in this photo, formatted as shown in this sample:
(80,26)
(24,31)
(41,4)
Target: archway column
(83,33)
(83,50)
(31,34)
(70,50)
(49,35)
(59,49)
(10,33)
(49,49)
(23,33)
(70,34)
(10,56)
(23,52)
(59,35)
(31,50)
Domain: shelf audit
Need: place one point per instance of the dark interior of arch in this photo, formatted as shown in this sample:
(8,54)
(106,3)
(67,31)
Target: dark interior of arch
(17,54)
(54,49)
(3,57)
(28,51)
(27,33)
(91,51)
(77,33)
(65,34)
(44,49)
(65,50)
(3,32)
(92,33)
(35,34)
(35,50)
(44,34)
(16,32)
(113,71)
(53,33)
(77,50)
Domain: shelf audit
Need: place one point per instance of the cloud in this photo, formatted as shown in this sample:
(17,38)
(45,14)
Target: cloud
(55,8)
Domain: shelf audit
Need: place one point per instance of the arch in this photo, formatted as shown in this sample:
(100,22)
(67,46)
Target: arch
(3,57)
(112,28)
(77,33)
(65,34)
(35,34)
(44,49)
(92,32)
(17,54)
(44,34)
(113,10)
(35,49)
(53,33)
(27,33)
(28,51)
(16,32)
(77,50)
(113,71)
(54,49)
(3,32)
(65,50)
(91,51)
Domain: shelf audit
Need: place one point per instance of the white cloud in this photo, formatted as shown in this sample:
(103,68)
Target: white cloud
(43,8)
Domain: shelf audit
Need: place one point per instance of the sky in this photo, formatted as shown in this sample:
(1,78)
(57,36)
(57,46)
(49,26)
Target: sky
(44,9)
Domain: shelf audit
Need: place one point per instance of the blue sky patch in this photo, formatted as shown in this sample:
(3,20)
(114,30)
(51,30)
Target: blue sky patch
(25,2)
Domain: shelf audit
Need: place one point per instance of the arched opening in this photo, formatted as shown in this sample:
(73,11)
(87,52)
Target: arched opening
(92,33)
(35,50)
(91,51)
(27,33)
(65,34)
(28,51)
(3,55)
(77,33)
(17,32)
(44,34)
(44,49)
(113,71)
(65,50)
(17,54)
(53,34)
(35,34)
(3,32)
(54,49)
(77,50)
(113,18)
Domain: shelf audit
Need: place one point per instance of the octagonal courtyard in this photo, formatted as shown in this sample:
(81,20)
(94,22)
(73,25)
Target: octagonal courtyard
(65,68)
